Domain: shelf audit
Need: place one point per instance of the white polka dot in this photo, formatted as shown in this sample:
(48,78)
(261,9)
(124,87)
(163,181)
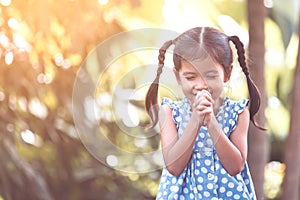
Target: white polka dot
(192,196)
(207,152)
(174,180)
(209,142)
(229,194)
(202,135)
(200,144)
(197,172)
(204,170)
(230,184)
(231,121)
(207,162)
(200,179)
(223,171)
(199,187)
(180,181)
(178,119)
(226,129)
(247,181)
(222,189)
(236,196)
(224,180)
(239,188)
(198,163)
(181,197)
(236,108)
(185,190)
(174,188)
(206,194)
(210,186)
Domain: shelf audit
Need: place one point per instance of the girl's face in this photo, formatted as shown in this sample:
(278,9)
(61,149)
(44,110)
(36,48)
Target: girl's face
(199,75)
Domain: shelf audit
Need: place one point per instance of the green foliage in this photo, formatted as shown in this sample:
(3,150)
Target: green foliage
(42,46)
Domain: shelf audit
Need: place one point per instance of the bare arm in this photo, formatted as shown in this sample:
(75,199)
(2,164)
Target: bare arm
(232,151)
(177,151)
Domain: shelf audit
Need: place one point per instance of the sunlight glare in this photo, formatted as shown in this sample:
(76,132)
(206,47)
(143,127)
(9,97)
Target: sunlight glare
(231,27)
(103,2)
(5,2)
(44,78)
(58,58)
(37,108)
(274,102)
(9,58)
(269,3)
(13,23)
(29,137)
(21,42)
(4,41)
(66,64)
(170,9)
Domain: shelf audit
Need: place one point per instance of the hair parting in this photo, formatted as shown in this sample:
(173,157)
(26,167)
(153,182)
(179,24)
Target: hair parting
(151,96)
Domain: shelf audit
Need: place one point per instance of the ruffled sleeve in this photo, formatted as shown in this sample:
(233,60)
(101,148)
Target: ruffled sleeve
(174,107)
(229,112)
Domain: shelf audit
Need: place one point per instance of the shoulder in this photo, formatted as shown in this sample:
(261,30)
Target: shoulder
(176,109)
(235,106)
(231,112)
(174,105)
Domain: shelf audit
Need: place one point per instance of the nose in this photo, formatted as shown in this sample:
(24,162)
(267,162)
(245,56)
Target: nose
(199,85)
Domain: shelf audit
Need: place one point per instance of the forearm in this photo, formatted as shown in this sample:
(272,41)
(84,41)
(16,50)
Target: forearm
(230,156)
(179,154)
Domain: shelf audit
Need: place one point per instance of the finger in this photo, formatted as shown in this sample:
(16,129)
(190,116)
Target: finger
(204,108)
(205,94)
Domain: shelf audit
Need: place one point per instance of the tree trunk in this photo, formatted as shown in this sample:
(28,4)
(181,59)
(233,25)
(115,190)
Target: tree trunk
(291,182)
(258,140)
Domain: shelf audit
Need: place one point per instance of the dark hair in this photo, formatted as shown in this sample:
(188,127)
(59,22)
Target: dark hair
(199,43)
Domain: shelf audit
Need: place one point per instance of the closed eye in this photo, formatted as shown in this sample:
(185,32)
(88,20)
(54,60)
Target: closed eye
(189,78)
(211,76)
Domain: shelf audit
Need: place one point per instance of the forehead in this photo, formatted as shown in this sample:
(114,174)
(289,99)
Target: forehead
(200,66)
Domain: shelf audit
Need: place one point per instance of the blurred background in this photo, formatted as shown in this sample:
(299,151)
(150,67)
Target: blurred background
(45,43)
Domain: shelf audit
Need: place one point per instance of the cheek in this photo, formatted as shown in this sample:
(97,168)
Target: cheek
(187,90)
(217,87)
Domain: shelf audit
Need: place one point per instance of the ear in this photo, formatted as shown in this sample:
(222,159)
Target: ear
(177,76)
(228,75)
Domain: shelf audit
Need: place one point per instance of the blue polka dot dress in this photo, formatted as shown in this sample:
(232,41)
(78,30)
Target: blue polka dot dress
(204,177)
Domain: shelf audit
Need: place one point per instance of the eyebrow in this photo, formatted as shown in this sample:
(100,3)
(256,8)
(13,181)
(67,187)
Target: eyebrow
(193,73)
(188,73)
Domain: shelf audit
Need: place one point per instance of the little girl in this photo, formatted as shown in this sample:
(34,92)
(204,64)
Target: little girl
(204,136)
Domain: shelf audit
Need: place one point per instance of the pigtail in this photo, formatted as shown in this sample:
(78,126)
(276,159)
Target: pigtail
(151,97)
(254,94)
